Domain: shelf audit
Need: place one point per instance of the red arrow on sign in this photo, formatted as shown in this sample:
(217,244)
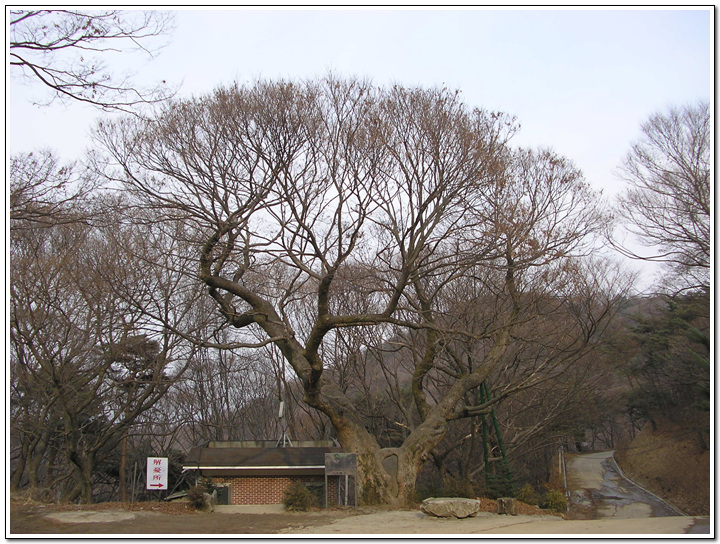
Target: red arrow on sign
(156,485)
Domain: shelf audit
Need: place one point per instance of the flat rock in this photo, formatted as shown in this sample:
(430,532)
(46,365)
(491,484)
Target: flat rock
(90,517)
(451,507)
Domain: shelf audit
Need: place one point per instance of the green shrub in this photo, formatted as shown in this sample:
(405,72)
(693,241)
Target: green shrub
(555,500)
(298,498)
(209,485)
(317,490)
(499,485)
(528,495)
(196,496)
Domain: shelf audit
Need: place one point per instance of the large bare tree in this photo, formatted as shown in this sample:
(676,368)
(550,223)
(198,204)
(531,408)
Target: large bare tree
(322,206)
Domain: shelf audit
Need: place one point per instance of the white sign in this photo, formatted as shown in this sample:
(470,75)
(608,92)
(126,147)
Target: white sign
(157,472)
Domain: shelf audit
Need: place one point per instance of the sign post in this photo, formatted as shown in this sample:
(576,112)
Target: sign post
(157,473)
(341,464)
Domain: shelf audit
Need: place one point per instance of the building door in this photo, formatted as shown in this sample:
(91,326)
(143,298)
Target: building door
(223,494)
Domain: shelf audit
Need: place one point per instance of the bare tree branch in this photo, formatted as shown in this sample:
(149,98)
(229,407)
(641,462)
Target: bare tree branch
(65,50)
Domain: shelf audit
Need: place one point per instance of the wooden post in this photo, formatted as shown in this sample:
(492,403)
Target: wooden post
(134,483)
(123,461)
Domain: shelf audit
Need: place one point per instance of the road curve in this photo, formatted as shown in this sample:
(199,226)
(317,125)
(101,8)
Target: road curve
(599,490)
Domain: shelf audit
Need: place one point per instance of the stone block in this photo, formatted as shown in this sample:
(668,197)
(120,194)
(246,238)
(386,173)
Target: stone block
(451,507)
(209,501)
(507,505)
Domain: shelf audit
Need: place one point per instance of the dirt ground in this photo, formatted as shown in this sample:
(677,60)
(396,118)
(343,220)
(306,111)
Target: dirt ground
(150,518)
(30,518)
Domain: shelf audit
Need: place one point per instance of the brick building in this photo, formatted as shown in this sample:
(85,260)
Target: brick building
(259,472)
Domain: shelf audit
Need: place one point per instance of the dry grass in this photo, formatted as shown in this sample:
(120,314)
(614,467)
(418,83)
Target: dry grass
(176,508)
(671,463)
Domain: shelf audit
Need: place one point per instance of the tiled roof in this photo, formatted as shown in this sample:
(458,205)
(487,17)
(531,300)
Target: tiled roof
(256,458)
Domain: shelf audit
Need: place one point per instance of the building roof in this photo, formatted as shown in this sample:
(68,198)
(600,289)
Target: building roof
(253,461)
(269,443)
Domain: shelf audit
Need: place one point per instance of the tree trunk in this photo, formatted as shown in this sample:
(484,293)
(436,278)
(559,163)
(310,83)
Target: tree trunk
(85,482)
(17,474)
(82,465)
(74,493)
(87,497)
(50,474)
(385,475)
(32,472)
(36,455)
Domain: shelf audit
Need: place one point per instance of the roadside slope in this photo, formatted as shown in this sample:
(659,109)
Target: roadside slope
(671,463)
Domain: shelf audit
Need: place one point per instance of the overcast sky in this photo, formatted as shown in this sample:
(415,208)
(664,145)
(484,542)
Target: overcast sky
(579,80)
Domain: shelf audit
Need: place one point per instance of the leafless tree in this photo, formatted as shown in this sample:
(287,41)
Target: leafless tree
(667,204)
(85,363)
(324,206)
(65,50)
(224,396)
(551,364)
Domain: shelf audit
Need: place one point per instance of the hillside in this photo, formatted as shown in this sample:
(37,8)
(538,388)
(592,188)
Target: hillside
(672,463)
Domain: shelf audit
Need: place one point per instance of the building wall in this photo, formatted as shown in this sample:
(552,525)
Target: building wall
(270,489)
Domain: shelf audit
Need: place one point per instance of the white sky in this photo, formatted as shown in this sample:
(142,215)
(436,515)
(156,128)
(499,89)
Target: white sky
(579,80)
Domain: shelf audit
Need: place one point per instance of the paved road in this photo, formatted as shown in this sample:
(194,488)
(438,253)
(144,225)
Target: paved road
(598,489)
